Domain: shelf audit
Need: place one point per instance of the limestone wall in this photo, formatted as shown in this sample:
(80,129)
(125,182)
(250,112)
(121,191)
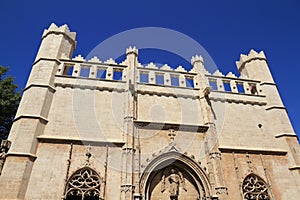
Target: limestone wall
(122,119)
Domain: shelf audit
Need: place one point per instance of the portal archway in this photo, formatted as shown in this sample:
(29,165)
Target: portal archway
(174,176)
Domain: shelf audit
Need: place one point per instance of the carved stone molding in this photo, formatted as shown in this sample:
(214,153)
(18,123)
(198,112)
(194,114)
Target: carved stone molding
(221,190)
(127,188)
(215,155)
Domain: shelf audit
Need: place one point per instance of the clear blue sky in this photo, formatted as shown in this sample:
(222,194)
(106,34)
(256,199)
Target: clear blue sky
(224,28)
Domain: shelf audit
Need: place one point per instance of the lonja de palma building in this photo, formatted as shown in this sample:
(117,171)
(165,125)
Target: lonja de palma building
(88,130)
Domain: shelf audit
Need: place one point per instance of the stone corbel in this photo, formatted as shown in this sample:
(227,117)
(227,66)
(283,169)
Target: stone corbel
(207,91)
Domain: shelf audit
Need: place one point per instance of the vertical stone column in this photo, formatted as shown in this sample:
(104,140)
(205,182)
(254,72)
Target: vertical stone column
(213,157)
(129,177)
(219,183)
(201,82)
(31,117)
(233,86)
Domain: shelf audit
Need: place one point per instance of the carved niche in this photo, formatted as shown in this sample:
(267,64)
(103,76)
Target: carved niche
(173,183)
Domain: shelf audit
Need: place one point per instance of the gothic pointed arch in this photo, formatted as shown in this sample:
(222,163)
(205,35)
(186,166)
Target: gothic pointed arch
(84,184)
(173,175)
(255,188)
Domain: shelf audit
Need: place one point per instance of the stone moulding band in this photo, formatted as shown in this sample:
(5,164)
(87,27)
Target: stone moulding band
(110,89)
(18,154)
(50,88)
(229,100)
(46,59)
(231,93)
(286,135)
(295,167)
(167,94)
(87,78)
(267,83)
(168,126)
(42,119)
(276,107)
(60,140)
(278,152)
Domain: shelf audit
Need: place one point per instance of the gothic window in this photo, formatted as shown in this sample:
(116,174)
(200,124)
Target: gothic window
(254,188)
(84,184)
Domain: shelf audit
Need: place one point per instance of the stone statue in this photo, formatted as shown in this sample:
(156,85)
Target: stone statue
(5,145)
(2,158)
(174,180)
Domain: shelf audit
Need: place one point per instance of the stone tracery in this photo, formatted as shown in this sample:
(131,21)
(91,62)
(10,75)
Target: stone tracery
(85,183)
(254,188)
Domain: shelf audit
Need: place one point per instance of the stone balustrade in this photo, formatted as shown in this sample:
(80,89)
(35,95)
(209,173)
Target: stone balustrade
(150,74)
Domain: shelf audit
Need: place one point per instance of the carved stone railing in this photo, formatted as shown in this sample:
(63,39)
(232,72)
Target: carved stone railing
(179,77)
(150,74)
(93,69)
(232,84)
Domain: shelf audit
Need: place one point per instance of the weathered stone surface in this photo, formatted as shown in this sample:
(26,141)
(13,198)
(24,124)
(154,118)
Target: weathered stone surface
(140,132)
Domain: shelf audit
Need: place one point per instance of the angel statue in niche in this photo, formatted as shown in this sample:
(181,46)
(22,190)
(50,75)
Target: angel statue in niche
(174,179)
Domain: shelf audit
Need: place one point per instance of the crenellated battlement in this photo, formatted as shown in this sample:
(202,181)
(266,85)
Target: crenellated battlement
(64,29)
(131,50)
(253,55)
(197,58)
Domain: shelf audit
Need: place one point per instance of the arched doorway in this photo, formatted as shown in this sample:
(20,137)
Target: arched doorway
(174,176)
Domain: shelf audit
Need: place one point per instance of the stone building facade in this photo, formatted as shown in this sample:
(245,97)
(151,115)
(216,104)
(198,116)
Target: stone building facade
(87,129)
